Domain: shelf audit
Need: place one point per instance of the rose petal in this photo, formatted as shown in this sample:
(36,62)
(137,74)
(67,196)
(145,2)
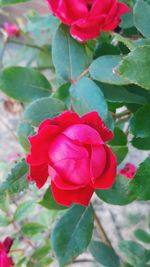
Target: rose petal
(7,243)
(93,119)
(68,197)
(5,261)
(60,182)
(98,161)
(83,133)
(107,179)
(63,148)
(39,174)
(40,143)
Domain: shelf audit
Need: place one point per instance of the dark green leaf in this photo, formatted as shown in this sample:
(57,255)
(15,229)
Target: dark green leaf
(49,202)
(118,145)
(103,70)
(87,96)
(141,12)
(142,235)
(69,56)
(125,94)
(141,143)
(24,84)
(50,108)
(119,194)
(140,122)
(72,233)
(141,181)
(135,67)
(16,180)
(104,254)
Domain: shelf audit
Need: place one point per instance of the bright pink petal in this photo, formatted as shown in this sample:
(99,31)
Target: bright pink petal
(39,145)
(39,174)
(73,171)
(129,170)
(83,133)
(93,119)
(5,261)
(63,148)
(69,197)
(98,161)
(107,179)
(60,182)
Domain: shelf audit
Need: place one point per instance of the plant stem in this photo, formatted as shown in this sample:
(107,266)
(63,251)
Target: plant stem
(101,231)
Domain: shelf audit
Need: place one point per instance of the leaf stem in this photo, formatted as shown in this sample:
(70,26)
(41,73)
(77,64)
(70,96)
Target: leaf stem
(101,231)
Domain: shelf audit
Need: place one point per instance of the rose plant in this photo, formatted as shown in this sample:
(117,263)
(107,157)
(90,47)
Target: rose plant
(80,75)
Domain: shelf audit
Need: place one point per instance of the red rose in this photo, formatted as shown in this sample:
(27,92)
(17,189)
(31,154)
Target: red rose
(5,246)
(72,151)
(11,29)
(128,170)
(88,18)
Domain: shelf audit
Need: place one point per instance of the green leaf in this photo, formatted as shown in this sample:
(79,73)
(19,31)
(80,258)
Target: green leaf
(142,235)
(121,190)
(23,131)
(104,254)
(125,94)
(4,201)
(87,96)
(41,253)
(141,181)
(72,233)
(140,122)
(24,84)
(12,2)
(50,108)
(69,56)
(134,252)
(31,229)
(135,67)
(141,21)
(16,180)
(127,20)
(120,152)
(3,220)
(141,143)
(49,202)
(103,70)
(23,210)
(118,145)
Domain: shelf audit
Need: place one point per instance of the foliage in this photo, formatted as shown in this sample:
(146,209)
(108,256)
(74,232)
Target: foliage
(51,72)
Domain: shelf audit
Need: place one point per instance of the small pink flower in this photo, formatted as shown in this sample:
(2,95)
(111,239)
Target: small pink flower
(5,260)
(129,170)
(11,29)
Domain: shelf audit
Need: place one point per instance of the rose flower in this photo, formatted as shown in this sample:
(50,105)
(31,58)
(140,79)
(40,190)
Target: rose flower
(128,170)
(5,260)
(11,29)
(72,151)
(87,18)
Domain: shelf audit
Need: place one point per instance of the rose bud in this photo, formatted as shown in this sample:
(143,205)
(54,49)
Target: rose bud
(72,151)
(11,29)
(128,170)
(87,18)
(5,260)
